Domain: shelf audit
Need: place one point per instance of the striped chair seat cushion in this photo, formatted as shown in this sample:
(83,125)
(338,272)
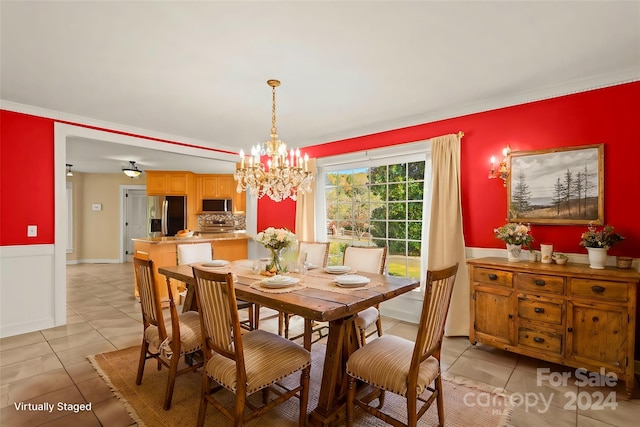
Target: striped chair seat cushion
(190,336)
(268,358)
(367,317)
(385,361)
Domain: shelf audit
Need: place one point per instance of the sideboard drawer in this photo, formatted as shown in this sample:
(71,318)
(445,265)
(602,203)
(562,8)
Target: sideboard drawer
(493,277)
(540,339)
(528,282)
(599,289)
(541,311)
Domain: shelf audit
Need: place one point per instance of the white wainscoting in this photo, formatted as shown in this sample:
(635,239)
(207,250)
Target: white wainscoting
(28,298)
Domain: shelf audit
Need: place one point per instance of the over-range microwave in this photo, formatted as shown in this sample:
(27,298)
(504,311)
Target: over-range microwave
(217,205)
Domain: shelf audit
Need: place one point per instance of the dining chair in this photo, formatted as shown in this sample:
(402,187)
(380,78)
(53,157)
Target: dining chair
(243,363)
(312,253)
(370,259)
(191,253)
(397,365)
(167,347)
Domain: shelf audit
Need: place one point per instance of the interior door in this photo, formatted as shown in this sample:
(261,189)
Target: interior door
(135,219)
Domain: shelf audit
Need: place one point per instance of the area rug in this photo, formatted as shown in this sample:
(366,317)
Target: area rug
(466,403)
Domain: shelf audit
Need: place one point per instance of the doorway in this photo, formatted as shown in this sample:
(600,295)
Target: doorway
(134,221)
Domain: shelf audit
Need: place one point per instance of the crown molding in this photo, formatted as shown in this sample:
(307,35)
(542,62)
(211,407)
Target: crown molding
(81,121)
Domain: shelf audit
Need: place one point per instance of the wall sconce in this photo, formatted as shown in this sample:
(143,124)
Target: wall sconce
(69,173)
(503,168)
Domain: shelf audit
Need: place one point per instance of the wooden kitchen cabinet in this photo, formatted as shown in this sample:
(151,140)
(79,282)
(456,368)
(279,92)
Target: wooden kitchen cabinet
(168,183)
(220,186)
(568,314)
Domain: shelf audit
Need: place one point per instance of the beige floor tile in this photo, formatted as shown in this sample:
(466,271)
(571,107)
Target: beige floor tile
(79,354)
(80,419)
(37,385)
(77,340)
(95,390)
(107,312)
(481,370)
(553,417)
(20,340)
(119,318)
(29,368)
(403,330)
(65,330)
(111,412)
(82,371)
(541,391)
(10,416)
(19,354)
(493,354)
(455,344)
(623,414)
(590,422)
(127,340)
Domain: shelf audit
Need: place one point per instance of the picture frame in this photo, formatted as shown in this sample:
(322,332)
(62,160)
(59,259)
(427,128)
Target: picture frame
(557,186)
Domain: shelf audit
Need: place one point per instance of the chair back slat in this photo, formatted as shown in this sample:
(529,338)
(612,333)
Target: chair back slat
(149,299)
(438,290)
(215,296)
(369,259)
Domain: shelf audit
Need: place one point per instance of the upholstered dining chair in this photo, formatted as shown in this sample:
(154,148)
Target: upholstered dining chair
(243,363)
(313,253)
(167,347)
(370,259)
(400,366)
(202,252)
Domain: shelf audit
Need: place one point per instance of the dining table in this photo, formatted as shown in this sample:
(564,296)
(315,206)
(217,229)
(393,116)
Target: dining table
(317,297)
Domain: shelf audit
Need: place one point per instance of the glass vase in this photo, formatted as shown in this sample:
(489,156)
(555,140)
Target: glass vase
(277,262)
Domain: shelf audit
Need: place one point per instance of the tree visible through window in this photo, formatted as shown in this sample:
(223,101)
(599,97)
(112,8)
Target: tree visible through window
(377,206)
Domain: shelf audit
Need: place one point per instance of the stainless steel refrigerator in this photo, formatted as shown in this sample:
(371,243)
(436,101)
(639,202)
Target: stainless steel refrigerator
(166,215)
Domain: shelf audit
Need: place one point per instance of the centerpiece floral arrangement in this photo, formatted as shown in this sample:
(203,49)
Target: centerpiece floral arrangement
(514,234)
(276,240)
(603,238)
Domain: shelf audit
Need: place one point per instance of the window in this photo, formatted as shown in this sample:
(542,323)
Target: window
(377,203)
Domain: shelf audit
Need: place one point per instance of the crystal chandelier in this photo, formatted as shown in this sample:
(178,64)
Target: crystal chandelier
(284,174)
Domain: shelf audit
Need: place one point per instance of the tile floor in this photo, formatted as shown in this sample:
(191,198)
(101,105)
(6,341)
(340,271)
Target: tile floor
(51,365)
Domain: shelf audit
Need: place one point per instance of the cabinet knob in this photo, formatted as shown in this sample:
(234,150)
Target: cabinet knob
(538,339)
(539,282)
(511,316)
(598,289)
(595,318)
(493,276)
(539,310)
(569,329)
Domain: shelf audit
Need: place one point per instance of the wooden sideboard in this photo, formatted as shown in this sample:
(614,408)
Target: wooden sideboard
(568,314)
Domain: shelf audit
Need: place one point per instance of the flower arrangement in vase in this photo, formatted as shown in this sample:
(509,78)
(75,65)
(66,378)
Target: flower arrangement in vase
(276,240)
(598,242)
(515,235)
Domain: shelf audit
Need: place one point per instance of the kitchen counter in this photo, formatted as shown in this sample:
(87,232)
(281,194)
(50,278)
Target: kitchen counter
(208,237)
(163,252)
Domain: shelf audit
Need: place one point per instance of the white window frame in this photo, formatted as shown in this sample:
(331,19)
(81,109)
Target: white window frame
(404,153)
(69,187)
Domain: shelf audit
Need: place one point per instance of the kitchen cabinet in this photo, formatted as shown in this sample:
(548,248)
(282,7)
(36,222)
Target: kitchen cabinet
(220,186)
(568,314)
(168,183)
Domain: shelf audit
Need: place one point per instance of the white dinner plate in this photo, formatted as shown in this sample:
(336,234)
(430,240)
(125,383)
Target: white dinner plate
(215,263)
(351,280)
(310,266)
(279,281)
(337,269)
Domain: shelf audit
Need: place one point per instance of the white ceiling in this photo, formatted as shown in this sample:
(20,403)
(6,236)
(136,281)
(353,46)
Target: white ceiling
(196,72)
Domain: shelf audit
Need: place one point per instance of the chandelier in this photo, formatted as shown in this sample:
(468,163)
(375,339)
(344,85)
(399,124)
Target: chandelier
(285,173)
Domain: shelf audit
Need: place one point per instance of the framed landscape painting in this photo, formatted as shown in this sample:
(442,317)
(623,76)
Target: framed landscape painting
(557,186)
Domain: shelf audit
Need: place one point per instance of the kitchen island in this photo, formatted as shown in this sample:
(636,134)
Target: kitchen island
(163,252)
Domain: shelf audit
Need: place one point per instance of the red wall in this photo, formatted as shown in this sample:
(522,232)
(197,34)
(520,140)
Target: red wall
(26,179)
(608,115)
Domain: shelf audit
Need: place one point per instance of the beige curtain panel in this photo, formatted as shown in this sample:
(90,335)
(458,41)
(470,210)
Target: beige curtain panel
(446,239)
(305,212)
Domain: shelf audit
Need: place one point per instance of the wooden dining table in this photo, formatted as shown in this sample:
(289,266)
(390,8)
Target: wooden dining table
(316,298)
